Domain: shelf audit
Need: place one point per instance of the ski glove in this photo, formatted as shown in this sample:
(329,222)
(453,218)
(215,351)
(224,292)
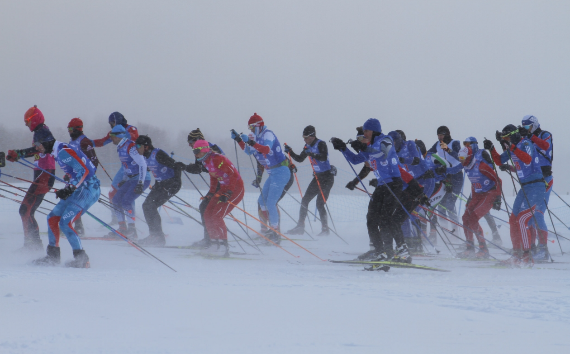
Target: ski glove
(415,161)
(351,185)
(523,131)
(358,146)
(402,160)
(441,170)
(179,166)
(139,188)
(497,203)
(338,144)
(13,155)
(225,197)
(66,178)
(208,196)
(506,167)
(65,192)
(424,200)
(235,136)
(287,149)
(487,144)
(256,182)
(498,136)
(292,167)
(373,183)
(448,187)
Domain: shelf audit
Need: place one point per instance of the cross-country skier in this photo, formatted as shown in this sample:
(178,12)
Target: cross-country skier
(322,182)
(134,181)
(198,168)
(542,141)
(80,142)
(384,203)
(530,198)
(167,177)
(447,149)
(226,191)
(266,148)
(485,193)
(497,205)
(116,118)
(43,182)
(413,162)
(80,193)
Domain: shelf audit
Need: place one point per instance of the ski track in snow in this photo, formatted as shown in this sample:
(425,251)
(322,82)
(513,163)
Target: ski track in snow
(273,303)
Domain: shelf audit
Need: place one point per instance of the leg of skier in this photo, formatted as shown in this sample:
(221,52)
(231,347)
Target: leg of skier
(310,193)
(272,190)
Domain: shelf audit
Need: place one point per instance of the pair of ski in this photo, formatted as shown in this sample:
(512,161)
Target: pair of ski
(386,265)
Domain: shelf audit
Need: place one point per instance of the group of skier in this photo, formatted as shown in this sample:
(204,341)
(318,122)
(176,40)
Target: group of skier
(410,182)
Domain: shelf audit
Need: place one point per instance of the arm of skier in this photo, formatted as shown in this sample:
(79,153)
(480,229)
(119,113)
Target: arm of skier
(414,156)
(140,160)
(133,132)
(87,149)
(103,141)
(299,158)
(79,168)
(163,158)
(521,154)
(543,143)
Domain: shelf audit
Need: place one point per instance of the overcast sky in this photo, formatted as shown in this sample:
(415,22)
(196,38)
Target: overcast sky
(474,66)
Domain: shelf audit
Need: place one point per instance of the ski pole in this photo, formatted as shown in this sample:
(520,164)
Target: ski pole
(20,202)
(552,191)
(276,231)
(105,170)
(551,221)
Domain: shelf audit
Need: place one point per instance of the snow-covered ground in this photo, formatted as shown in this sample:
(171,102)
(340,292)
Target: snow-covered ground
(273,302)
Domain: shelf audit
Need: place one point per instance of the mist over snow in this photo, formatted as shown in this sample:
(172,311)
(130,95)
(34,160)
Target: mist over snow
(173,66)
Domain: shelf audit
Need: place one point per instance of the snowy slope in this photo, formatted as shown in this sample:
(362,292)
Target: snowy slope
(272,302)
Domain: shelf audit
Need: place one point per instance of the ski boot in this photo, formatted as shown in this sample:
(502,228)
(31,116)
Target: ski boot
(132,232)
(273,236)
(541,253)
(80,260)
(483,252)
(526,260)
(326,231)
(153,240)
(514,260)
(372,254)
(299,230)
(113,219)
(497,238)
(217,248)
(51,259)
(122,230)
(202,244)
(382,257)
(402,254)
(468,253)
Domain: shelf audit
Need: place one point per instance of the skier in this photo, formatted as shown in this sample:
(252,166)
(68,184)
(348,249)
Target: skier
(226,191)
(542,141)
(447,149)
(167,176)
(43,182)
(266,148)
(496,206)
(78,195)
(384,203)
(530,198)
(485,192)
(80,142)
(198,168)
(413,162)
(134,181)
(322,182)
(116,118)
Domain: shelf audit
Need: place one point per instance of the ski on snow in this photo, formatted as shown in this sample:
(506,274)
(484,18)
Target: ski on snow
(378,265)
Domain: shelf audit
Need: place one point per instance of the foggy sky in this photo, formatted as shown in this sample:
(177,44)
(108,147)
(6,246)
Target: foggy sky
(474,66)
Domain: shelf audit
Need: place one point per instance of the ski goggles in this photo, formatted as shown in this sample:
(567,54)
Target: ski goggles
(198,150)
(309,136)
(139,145)
(527,126)
(71,129)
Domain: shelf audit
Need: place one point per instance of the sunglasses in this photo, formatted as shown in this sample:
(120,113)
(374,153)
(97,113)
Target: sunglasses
(139,145)
(527,126)
(71,129)
(309,136)
(198,150)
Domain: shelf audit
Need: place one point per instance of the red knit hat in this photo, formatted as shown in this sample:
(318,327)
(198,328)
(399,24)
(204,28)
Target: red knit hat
(255,120)
(76,123)
(34,116)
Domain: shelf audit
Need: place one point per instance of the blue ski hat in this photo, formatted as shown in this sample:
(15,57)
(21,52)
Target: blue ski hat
(397,139)
(119,131)
(474,143)
(117,118)
(372,124)
(530,120)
